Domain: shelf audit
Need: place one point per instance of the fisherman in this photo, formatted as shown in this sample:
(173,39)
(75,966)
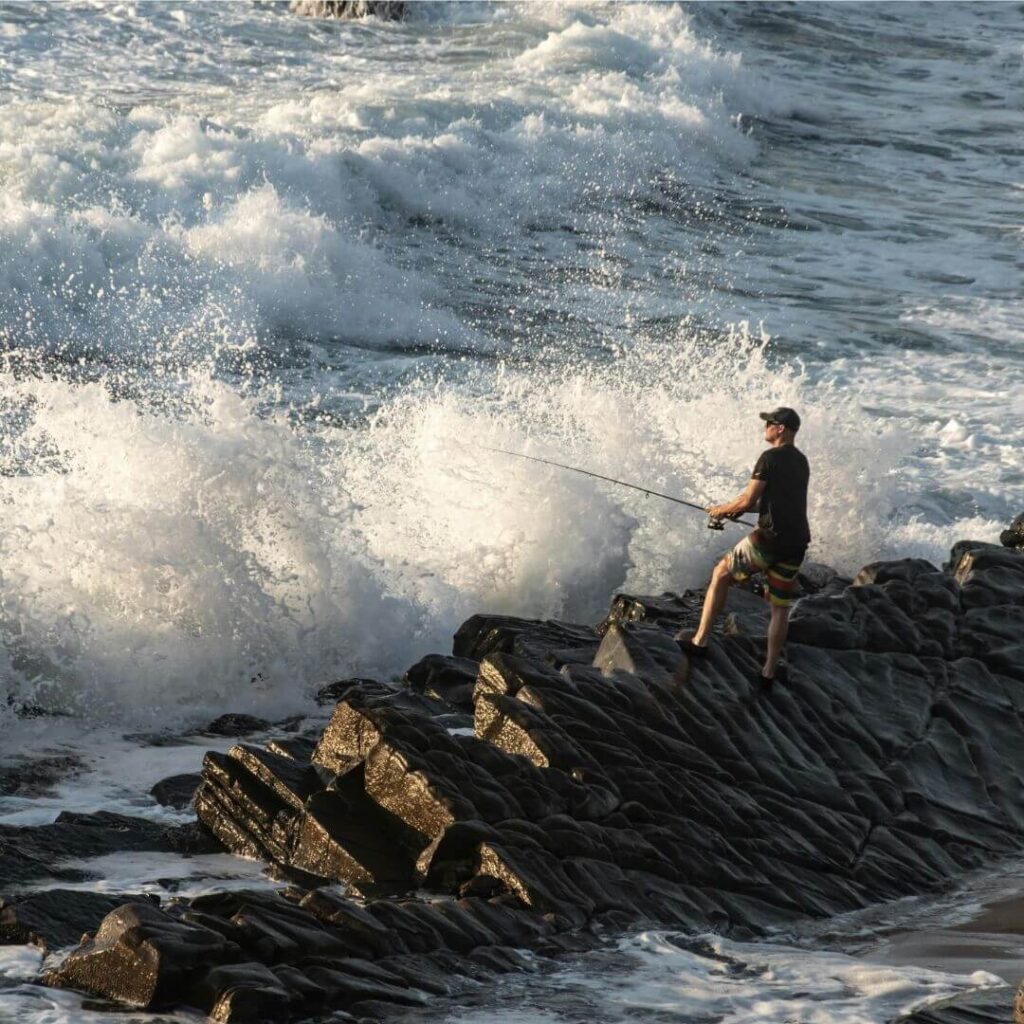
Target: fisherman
(778,490)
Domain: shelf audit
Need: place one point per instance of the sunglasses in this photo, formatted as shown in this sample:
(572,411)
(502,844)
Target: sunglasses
(772,423)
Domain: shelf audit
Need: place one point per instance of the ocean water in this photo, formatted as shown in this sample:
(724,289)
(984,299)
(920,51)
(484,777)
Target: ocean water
(270,288)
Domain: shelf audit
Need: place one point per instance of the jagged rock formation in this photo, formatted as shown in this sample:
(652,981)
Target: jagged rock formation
(388,10)
(603,781)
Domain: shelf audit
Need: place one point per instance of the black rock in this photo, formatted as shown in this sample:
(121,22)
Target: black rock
(422,973)
(481,635)
(246,992)
(602,788)
(1013,537)
(988,1006)
(333,692)
(29,852)
(36,776)
(669,611)
(988,574)
(142,957)
(745,613)
(291,781)
(905,569)
(449,679)
(298,748)
(347,988)
(55,918)
(305,995)
(557,643)
(815,576)
(373,937)
(176,790)
(236,725)
(644,651)
(346,836)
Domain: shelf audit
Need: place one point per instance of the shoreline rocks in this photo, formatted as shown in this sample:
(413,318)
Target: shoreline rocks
(33,852)
(601,782)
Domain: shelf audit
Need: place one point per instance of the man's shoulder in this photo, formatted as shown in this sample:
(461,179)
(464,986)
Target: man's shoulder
(786,454)
(763,464)
(789,452)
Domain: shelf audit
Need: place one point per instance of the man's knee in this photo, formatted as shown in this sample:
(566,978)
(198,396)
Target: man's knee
(721,574)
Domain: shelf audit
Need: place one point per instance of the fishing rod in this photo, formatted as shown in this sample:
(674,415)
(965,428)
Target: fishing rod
(713,523)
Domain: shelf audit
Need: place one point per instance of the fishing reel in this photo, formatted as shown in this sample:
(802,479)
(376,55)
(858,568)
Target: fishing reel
(716,523)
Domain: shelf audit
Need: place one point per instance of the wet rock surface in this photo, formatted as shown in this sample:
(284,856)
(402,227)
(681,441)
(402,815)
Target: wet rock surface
(36,776)
(988,1007)
(1013,535)
(234,724)
(605,782)
(176,790)
(55,918)
(32,852)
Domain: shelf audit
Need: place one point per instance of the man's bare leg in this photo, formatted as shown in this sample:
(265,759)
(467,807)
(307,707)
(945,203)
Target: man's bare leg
(714,601)
(778,627)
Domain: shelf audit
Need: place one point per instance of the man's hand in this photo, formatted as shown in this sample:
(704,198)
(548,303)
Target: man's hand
(745,502)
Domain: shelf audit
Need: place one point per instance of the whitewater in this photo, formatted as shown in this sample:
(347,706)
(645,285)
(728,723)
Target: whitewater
(270,287)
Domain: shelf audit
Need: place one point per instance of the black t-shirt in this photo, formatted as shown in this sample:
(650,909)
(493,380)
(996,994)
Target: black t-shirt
(782,522)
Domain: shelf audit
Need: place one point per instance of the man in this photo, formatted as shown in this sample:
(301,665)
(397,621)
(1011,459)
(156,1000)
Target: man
(778,490)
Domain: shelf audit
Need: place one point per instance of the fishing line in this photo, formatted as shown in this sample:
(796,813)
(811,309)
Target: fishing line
(713,524)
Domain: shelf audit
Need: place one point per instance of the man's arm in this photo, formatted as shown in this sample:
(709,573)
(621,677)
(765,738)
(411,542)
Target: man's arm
(745,502)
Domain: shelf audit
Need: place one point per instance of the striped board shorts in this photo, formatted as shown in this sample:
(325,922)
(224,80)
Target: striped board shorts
(748,558)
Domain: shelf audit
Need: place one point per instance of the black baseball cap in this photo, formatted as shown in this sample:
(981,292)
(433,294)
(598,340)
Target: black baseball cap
(787,417)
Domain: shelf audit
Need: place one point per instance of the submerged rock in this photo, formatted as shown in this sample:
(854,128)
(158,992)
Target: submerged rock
(36,776)
(602,787)
(236,724)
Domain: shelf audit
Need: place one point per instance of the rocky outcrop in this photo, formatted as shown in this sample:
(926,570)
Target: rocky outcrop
(387,10)
(30,852)
(257,956)
(596,785)
(55,918)
(1013,536)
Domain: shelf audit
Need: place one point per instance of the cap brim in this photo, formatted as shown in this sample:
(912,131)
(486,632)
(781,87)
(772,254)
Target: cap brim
(766,416)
